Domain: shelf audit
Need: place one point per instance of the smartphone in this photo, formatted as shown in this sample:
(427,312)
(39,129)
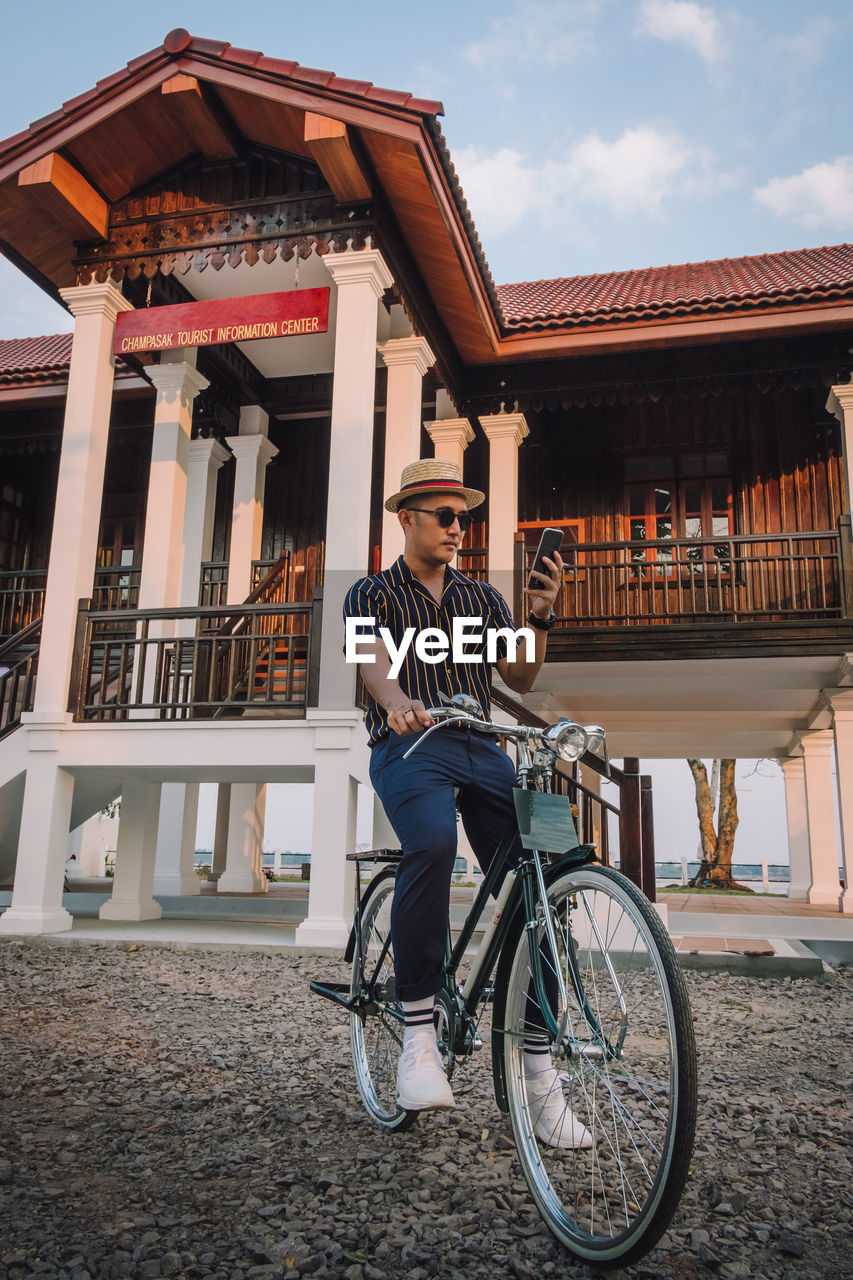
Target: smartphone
(550,542)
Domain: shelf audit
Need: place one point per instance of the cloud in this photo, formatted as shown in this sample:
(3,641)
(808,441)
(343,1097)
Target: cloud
(819,196)
(635,173)
(806,49)
(692,24)
(549,31)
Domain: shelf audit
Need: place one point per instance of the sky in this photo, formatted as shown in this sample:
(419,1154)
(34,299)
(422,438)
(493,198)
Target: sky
(588,135)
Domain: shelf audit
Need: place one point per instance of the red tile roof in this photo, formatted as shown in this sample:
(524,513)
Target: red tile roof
(35,359)
(767,280)
(180,42)
(24,361)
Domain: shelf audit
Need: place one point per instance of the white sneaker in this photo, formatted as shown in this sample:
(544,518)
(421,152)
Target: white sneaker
(422,1083)
(554,1122)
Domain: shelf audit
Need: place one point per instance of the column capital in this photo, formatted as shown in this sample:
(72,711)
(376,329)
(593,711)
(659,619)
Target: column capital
(450,431)
(359,266)
(792,766)
(177,379)
(841,701)
(501,426)
(840,400)
(207,449)
(100,298)
(412,351)
(252,447)
(815,742)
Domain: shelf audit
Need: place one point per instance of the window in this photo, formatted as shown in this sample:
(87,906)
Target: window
(683,496)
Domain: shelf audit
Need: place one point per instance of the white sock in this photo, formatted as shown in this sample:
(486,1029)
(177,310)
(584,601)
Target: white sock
(417,1018)
(537,1058)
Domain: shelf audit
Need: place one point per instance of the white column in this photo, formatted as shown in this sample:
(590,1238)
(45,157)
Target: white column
(840,403)
(175,868)
(798,828)
(330,896)
(133,882)
(451,437)
(842,719)
(361,277)
(174,864)
(384,835)
(505,433)
(43,843)
(407,360)
(820,807)
(77,510)
(205,457)
(253,452)
(220,836)
(178,382)
(244,859)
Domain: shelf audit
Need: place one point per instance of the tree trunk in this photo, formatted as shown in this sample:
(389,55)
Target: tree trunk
(715,870)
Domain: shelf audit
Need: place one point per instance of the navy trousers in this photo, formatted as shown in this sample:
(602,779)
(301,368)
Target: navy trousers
(419,798)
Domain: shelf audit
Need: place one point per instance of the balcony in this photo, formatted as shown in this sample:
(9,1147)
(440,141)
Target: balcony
(195,664)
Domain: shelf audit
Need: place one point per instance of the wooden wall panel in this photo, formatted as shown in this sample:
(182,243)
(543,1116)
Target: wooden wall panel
(784,447)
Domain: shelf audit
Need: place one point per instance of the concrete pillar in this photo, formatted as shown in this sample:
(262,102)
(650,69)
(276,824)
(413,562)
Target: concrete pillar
(451,437)
(505,432)
(133,882)
(178,382)
(820,807)
(174,865)
(330,896)
(77,510)
(205,457)
(253,452)
(840,403)
(799,855)
(407,360)
(43,843)
(220,837)
(361,277)
(842,720)
(244,859)
(175,873)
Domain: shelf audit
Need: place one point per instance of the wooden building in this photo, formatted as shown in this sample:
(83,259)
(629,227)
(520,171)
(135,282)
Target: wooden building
(183,508)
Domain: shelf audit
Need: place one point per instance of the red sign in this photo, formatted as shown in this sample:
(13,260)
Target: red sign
(203,324)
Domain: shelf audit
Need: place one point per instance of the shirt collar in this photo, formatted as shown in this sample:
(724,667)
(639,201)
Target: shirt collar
(450,575)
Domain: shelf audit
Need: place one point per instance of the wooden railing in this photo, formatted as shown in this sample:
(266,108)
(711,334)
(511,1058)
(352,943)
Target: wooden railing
(18,666)
(767,577)
(213,583)
(21,598)
(163,664)
(117,587)
(635,810)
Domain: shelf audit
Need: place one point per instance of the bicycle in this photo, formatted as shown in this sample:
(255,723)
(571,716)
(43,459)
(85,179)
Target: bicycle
(593,975)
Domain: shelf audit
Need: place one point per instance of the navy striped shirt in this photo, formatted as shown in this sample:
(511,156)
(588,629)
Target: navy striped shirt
(396,599)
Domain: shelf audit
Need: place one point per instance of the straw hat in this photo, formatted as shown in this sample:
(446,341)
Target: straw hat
(432,475)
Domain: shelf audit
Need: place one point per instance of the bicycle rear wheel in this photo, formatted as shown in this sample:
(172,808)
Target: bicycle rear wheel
(376,1023)
(626,1064)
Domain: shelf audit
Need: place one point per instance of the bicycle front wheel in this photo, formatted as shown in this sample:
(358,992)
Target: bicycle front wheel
(624,1067)
(376,1022)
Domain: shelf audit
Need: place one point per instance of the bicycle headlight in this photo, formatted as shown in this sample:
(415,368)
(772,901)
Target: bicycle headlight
(566,739)
(595,738)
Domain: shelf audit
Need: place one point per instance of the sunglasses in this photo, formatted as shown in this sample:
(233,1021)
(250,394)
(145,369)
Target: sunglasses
(446,515)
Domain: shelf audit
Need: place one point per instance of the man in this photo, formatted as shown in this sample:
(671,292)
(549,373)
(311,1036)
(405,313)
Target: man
(419,795)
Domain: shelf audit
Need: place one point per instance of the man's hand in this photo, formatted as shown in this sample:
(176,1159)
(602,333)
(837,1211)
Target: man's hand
(541,599)
(407,715)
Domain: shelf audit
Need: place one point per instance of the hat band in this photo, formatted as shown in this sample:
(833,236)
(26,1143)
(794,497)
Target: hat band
(434,484)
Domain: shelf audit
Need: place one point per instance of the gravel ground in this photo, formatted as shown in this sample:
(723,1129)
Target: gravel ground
(192,1113)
